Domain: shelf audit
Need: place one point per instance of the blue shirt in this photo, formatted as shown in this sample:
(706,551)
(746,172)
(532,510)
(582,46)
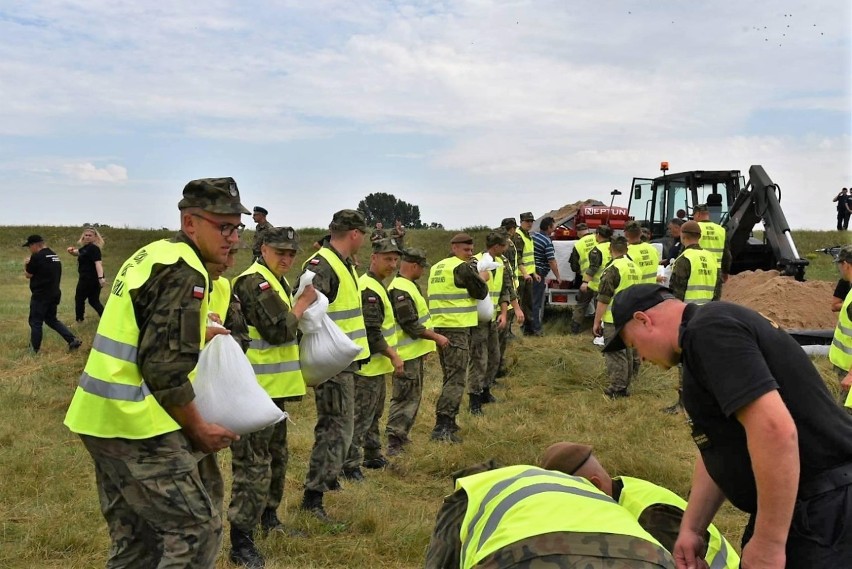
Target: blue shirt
(542,252)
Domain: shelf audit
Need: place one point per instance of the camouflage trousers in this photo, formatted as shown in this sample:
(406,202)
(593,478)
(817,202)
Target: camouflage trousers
(335,400)
(259,464)
(162,501)
(503,336)
(578,313)
(484,357)
(454,361)
(619,364)
(370,395)
(525,300)
(406,393)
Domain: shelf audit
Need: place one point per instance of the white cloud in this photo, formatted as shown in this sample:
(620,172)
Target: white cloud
(88,172)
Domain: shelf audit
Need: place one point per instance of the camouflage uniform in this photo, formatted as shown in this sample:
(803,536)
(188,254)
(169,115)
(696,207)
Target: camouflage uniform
(398,234)
(560,550)
(259,459)
(259,231)
(511,259)
(620,363)
(485,343)
(378,234)
(524,286)
(681,271)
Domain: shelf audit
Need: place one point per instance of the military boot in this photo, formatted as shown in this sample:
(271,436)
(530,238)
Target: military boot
(353,475)
(269,521)
(443,431)
(395,445)
(312,502)
(486,397)
(243,550)
(475,403)
(375,462)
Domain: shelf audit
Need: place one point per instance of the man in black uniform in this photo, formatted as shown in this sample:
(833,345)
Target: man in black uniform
(44,271)
(770,436)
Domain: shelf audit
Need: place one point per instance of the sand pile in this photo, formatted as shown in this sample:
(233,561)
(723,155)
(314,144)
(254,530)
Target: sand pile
(568,211)
(792,304)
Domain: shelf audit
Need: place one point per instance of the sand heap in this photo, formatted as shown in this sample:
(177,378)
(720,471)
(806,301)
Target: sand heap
(566,212)
(792,304)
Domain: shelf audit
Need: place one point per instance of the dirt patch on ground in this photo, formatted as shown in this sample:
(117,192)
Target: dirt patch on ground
(792,304)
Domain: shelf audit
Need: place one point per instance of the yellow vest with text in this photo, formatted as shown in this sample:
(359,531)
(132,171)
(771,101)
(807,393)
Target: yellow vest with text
(527,256)
(345,311)
(584,246)
(713,240)
(514,503)
(407,347)
(495,283)
(628,275)
(220,297)
(112,399)
(840,352)
(449,305)
(647,260)
(276,366)
(637,495)
(607,257)
(380,364)
(702,276)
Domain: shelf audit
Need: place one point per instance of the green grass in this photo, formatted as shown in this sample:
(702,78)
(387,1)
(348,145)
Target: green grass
(49,514)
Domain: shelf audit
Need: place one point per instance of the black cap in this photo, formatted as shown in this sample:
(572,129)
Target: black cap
(636,298)
(31,240)
(258,209)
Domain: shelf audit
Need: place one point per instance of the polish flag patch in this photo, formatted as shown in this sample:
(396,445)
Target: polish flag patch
(314,261)
(372,299)
(263,286)
(198,292)
(401,297)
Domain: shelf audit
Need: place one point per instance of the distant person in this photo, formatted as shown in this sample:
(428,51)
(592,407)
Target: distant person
(378,233)
(579,262)
(526,265)
(713,241)
(840,353)
(398,234)
(681,214)
(544,258)
(44,271)
(672,245)
(91,272)
(844,209)
(641,252)
(259,216)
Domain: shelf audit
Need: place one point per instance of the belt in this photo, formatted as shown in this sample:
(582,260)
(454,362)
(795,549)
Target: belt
(826,481)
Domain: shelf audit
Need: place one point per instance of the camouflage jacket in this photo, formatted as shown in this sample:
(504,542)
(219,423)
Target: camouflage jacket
(265,310)
(326,280)
(405,312)
(610,279)
(466,277)
(378,234)
(261,228)
(374,315)
(236,322)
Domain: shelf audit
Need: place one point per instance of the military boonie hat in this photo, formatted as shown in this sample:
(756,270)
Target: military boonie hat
(258,209)
(633,227)
(845,254)
(32,240)
(605,231)
(415,255)
(386,246)
(281,238)
(461,238)
(496,237)
(702,207)
(691,227)
(566,457)
(527,216)
(636,298)
(508,222)
(216,195)
(347,220)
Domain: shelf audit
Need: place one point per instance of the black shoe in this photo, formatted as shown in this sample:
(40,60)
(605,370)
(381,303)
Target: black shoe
(486,397)
(616,393)
(395,446)
(475,403)
(74,344)
(312,502)
(575,328)
(445,430)
(334,486)
(243,550)
(502,372)
(375,463)
(354,475)
(269,521)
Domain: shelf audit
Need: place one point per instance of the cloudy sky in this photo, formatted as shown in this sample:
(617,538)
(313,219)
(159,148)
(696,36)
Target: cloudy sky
(473,110)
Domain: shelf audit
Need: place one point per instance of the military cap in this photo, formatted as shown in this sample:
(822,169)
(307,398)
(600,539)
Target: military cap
(605,231)
(633,227)
(281,238)
(461,238)
(508,222)
(527,216)
(636,298)
(496,237)
(348,219)
(845,254)
(702,207)
(415,255)
(566,457)
(386,246)
(691,227)
(258,209)
(32,240)
(216,195)
(581,227)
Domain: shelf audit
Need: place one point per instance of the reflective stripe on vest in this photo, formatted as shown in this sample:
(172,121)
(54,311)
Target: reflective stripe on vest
(713,240)
(449,305)
(840,352)
(275,365)
(638,495)
(607,257)
(584,246)
(527,257)
(647,260)
(220,297)
(628,275)
(345,311)
(407,347)
(510,504)
(702,276)
(379,363)
(495,283)
(112,399)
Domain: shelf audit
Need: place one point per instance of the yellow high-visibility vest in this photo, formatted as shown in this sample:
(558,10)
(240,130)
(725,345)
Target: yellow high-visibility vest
(628,275)
(220,297)
(112,399)
(607,257)
(407,347)
(449,305)
(495,283)
(713,240)
(840,352)
(379,363)
(276,366)
(527,256)
(702,276)
(647,259)
(584,246)
(510,504)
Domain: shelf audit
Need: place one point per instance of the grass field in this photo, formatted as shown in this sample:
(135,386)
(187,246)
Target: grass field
(49,515)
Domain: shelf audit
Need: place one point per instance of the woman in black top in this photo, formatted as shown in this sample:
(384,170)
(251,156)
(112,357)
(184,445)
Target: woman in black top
(91,271)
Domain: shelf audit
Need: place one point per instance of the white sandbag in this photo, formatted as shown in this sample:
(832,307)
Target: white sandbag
(486,263)
(227,392)
(324,350)
(485,309)
(664,274)
(816,351)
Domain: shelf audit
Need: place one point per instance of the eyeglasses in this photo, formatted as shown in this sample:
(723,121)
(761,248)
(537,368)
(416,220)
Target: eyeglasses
(226,229)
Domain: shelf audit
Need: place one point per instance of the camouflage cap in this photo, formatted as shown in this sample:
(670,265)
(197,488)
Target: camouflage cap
(691,227)
(386,246)
(633,228)
(347,220)
(527,216)
(605,231)
(281,238)
(700,208)
(461,238)
(216,195)
(496,237)
(415,255)
(508,222)
(566,457)
(845,254)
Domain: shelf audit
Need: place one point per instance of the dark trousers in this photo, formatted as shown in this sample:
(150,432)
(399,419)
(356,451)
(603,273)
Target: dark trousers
(538,290)
(843,220)
(525,301)
(43,311)
(87,290)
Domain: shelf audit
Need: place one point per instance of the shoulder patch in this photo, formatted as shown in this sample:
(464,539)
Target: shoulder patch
(198,292)
(314,261)
(264,285)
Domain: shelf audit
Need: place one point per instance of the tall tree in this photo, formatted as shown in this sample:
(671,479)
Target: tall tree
(387,208)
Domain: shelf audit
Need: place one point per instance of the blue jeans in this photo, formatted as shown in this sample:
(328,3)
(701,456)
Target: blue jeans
(538,289)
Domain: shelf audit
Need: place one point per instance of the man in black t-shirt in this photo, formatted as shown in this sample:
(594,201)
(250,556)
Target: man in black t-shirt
(44,271)
(844,209)
(770,436)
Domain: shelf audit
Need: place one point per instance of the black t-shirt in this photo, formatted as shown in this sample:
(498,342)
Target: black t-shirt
(86,257)
(841,203)
(46,270)
(842,289)
(732,356)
